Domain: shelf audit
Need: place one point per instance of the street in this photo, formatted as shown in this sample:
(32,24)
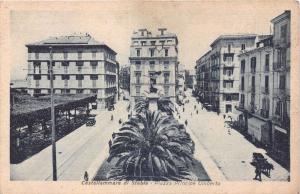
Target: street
(82,150)
(232,153)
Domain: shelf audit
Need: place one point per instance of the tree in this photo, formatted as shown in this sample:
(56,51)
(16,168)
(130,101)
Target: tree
(151,146)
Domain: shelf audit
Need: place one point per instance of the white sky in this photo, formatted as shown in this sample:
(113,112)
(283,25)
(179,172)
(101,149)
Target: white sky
(196,25)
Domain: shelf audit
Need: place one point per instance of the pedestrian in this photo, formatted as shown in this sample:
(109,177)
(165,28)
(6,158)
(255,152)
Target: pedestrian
(224,116)
(257,172)
(191,113)
(120,121)
(112,117)
(110,143)
(86,176)
(186,122)
(179,116)
(183,109)
(194,107)
(197,111)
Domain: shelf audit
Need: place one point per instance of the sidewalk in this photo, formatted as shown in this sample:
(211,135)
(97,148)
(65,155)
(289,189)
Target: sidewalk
(231,152)
(76,153)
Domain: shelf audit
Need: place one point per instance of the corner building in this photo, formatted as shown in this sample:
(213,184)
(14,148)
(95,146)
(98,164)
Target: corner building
(81,65)
(153,57)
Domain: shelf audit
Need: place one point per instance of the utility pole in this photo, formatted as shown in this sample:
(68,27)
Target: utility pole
(52,120)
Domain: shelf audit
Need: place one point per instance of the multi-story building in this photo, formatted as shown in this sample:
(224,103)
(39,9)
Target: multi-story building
(124,78)
(219,71)
(80,65)
(203,77)
(281,91)
(153,64)
(189,79)
(265,89)
(256,90)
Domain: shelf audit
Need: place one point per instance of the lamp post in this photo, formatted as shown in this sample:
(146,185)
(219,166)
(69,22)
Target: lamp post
(52,120)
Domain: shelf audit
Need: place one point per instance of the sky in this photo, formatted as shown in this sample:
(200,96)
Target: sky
(196,24)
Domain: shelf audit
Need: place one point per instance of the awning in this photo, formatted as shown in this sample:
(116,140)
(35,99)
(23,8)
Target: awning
(281,129)
(254,127)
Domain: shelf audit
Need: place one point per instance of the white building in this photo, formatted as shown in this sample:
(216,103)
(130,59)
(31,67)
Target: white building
(80,65)
(153,64)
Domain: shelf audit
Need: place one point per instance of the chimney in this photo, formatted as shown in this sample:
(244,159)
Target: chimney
(142,31)
(162,30)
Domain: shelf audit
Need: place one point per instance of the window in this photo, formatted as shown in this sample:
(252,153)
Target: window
(53,76)
(65,77)
(37,77)
(138,77)
(138,52)
(94,63)
(267,84)
(283,31)
(93,54)
(253,83)
(227,84)
(79,55)
(166,52)
(229,48)
(242,84)
(79,91)
(94,77)
(79,63)
(65,63)
(282,82)
(243,47)
(267,62)
(138,64)
(151,52)
(166,62)
(138,90)
(143,43)
(166,78)
(36,65)
(36,55)
(68,91)
(37,91)
(228,108)
(94,91)
(79,77)
(79,69)
(253,64)
(65,55)
(166,88)
(152,63)
(152,43)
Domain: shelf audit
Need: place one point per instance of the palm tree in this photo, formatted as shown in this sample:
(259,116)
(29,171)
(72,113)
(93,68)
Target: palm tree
(166,105)
(151,146)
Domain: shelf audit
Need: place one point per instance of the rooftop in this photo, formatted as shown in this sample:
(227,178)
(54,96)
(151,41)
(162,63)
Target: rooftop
(144,33)
(74,40)
(233,37)
(285,14)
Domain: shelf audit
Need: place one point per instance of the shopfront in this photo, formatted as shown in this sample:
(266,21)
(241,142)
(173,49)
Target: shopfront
(259,130)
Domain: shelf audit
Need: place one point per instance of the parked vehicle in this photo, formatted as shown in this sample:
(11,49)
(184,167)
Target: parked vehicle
(111,107)
(91,121)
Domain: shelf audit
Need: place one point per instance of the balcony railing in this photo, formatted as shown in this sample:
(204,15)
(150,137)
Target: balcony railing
(228,64)
(264,113)
(281,42)
(264,90)
(281,66)
(228,77)
(282,120)
(282,92)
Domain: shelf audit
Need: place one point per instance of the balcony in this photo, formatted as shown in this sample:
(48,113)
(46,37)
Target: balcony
(281,66)
(228,64)
(265,90)
(282,93)
(264,113)
(228,77)
(281,42)
(282,120)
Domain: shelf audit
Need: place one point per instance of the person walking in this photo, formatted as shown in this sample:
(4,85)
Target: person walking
(86,176)
(257,172)
(112,117)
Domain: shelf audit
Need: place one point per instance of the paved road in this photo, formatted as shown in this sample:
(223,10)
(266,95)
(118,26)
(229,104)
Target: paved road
(82,150)
(232,153)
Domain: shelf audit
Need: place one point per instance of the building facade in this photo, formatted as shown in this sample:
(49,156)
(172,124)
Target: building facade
(153,64)
(281,91)
(81,65)
(203,78)
(125,78)
(256,91)
(218,71)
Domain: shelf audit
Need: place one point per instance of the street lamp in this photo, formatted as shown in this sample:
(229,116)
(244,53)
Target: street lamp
(52,119)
